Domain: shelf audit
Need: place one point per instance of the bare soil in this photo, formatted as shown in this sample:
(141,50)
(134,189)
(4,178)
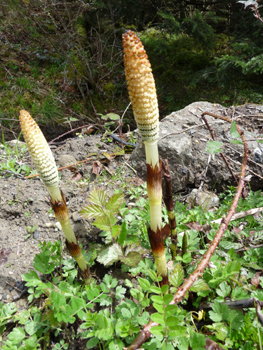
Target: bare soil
(24,204)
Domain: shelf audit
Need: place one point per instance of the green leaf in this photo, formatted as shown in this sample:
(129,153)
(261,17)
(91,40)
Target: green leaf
(77,304)
(170,310)
(120,292)
(213,147)
(92,211)
(92,342)
(98,196)
(157,317)
(17,335)
(223,290)
(105,222)
(199,285)
(145,285)
(126,313)
(220,312)
(197,341)
(41,263)
(236,142)
(177,275)
(112,116)
(233,131)
(110,255)
(123,233)
(116,229)
(114,203)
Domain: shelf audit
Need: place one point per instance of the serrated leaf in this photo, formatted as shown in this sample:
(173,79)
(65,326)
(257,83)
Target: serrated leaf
(17,335)
(135,248)
(177,275)
(233,131)
(98,196)
(110,255)
(132,259)
(92,211)
(115,202)
(199,285)
(105,222)
(116,229)
(213,147)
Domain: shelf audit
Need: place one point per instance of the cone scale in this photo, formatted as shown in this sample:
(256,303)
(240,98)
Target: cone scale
(45,164)
(142,93)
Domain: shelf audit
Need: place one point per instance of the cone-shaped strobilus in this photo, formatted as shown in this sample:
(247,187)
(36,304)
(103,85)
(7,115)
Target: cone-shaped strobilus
(45,164)
(142,93)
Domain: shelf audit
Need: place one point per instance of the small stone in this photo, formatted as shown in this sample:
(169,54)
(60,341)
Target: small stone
(58,226)
(36,234)
(50,224)
(76,217)
(36,210)
(66,159)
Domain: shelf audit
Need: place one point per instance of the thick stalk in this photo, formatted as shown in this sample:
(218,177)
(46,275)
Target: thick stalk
(44,162)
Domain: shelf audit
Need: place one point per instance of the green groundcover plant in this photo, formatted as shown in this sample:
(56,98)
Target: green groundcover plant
(109,313)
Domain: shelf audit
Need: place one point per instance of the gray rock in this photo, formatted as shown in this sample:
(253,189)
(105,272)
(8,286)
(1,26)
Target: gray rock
(36,234)
(206,199)
(66,159)
(183,139)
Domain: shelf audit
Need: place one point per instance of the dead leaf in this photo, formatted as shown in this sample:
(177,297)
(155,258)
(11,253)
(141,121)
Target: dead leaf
(4,254)
(97,167)
(78,175)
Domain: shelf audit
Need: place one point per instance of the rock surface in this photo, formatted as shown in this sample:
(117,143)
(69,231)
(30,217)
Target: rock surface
(183,139)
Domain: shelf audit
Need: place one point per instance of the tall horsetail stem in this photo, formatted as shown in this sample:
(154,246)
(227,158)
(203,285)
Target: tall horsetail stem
(142,93)
(44,162)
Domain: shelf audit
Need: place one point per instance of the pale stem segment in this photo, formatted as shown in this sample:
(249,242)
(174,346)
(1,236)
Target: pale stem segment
(45,164)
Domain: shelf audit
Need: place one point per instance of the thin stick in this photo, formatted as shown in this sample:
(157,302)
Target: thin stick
(204,262)
(240,215)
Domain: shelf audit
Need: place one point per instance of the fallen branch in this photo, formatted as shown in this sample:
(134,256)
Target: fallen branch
(240,215)
(204,262)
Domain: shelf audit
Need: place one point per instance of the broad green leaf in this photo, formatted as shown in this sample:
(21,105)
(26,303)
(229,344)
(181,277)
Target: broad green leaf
(112,116)
(115,202)
(159,307)
(98,196)
(213,147)
(110,255)
(135,248)
(233,131)
(199,285)
(157,317)
(92,343)
(92,211)
(177,275)
(157,330)
(155,289)
(172,321)
(105,222)
(126,313)
(116,229)
(170,310)
(17,335)
(132,259)
(167,298)
(77,304)
(144,283)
